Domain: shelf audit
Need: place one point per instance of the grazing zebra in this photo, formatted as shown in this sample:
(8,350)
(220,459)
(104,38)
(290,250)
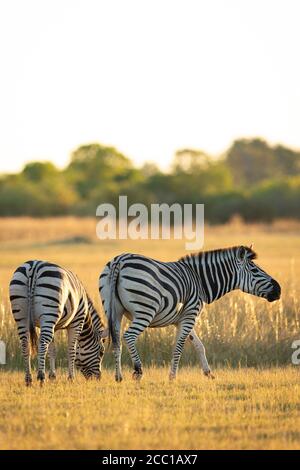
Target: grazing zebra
(156,294)
(46,295)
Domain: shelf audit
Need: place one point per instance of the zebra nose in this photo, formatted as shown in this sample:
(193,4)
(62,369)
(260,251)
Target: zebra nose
(276,287)
(276,291)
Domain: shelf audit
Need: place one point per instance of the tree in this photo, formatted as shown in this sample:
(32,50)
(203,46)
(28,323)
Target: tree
(253,160)
(40,171)
(196,176)
(277,198)
(40,190)
(287,160)
(189,161)
(250,161)
(95,166)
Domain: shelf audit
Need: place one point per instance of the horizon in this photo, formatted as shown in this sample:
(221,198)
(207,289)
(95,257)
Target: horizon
(147,79)
(164,169)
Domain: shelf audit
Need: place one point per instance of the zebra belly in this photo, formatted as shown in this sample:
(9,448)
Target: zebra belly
(147,291)
(167,317)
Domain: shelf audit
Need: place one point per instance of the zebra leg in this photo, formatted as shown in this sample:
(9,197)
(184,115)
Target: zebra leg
(200,349)
(19,305)
(26,349)
(117,349)
(183,330)
(46,337)
(130,336)
(26,352)
(52,357)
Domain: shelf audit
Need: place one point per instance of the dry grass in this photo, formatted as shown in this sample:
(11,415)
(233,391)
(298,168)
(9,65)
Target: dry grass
(243,408)
(237,330)
(34,230)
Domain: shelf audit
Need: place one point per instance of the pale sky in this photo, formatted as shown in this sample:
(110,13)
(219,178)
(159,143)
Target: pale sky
(146,76)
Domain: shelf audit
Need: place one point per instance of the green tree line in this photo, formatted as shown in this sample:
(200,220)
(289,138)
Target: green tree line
(253,179)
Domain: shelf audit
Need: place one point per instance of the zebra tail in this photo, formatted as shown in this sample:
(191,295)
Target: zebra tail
(32,330)
(114,274)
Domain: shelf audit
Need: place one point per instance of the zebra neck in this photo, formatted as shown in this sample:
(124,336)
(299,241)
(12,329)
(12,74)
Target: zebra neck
(96,321)
(217,274)
(92,327)
(215,271)
(88,332)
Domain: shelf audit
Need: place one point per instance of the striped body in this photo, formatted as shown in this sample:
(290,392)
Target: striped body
(47,296)
(153,294)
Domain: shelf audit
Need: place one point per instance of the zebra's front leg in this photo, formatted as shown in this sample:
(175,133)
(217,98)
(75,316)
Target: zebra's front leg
(130,336)
(183,330)
(52,357)
(46,337)
(200,349)
(26,352)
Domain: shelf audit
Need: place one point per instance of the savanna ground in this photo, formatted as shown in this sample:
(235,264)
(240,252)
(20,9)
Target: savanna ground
(254,400)
(240,409)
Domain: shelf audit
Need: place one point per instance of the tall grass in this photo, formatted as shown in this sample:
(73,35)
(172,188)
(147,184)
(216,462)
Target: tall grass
(237,330)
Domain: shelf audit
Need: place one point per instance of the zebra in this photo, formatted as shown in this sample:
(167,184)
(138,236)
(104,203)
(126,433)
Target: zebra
(46,295)
(153,294)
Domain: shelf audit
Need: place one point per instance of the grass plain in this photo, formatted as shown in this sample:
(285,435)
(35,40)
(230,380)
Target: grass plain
(240,409)
(254,401)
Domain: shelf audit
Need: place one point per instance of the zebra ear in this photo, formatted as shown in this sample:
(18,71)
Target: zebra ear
(242,253)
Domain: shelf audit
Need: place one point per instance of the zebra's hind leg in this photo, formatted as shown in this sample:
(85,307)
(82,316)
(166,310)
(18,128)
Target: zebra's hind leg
(19,306)
(183,330)
(136,328)
(26,352)
(200,349)
(117,348)
(46,337)
(52,357)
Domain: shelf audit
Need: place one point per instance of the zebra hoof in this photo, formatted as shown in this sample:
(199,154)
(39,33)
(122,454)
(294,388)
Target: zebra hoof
(70,378)
(209,375)
(52,376)
(42,382)
(28,382)
(118,378)
(137,375)
(172,377)
(41,377)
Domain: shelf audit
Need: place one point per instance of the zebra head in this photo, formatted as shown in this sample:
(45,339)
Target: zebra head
(252,279)
(89,358)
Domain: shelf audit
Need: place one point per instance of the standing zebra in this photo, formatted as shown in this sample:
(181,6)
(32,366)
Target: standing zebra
(156,294)
(46,295)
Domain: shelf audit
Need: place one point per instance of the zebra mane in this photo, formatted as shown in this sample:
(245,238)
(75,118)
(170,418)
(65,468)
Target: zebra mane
(251,254)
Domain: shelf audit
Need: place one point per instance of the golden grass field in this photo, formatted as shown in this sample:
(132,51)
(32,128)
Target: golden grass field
(253,402)
(240,409)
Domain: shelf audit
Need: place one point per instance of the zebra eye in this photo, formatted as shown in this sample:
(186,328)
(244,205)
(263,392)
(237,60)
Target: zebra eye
(254,270)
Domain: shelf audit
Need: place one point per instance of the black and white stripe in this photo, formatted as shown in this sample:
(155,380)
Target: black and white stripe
(153,294)
(45,295)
